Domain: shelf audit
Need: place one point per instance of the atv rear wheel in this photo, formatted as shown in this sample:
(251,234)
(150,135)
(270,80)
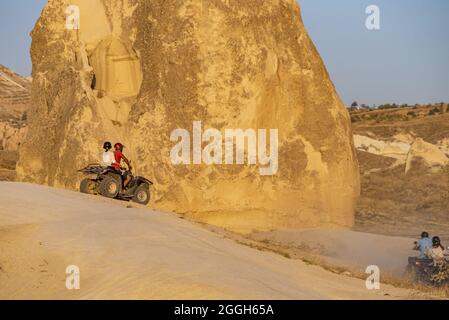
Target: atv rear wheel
(88,186)
(142,195)
(109,187)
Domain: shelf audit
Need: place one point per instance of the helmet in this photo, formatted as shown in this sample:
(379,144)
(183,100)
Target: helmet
(107,145)
(436,241)
(118,146)
(424,234)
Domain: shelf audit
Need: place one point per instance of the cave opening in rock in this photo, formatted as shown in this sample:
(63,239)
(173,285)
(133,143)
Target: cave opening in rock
(116,66)
(93,85)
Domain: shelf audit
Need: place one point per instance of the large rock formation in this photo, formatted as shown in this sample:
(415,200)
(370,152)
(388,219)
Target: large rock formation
(154,73)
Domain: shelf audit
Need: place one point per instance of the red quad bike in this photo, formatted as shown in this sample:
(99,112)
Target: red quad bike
(108,183)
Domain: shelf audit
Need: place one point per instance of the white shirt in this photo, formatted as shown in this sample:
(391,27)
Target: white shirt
(107,158)
(437,254)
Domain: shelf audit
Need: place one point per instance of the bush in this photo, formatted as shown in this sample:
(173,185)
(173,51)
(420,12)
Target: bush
(434,111)
(442,275)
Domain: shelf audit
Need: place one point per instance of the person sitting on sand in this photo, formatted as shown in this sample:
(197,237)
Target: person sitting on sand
(423,245)
(436,252)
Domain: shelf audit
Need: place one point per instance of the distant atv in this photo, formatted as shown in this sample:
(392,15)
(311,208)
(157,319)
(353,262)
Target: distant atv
(425,272)
(108,183)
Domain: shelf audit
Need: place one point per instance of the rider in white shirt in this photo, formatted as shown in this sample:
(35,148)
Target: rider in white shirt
(437,251)
(107,157)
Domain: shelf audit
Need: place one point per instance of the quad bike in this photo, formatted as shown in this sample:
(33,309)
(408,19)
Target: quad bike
(107,182)
(424,271)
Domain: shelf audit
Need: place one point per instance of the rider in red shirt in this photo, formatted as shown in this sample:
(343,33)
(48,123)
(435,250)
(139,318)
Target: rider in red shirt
(119,156)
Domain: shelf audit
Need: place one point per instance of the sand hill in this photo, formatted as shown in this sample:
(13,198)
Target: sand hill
(148,77)
(138,253)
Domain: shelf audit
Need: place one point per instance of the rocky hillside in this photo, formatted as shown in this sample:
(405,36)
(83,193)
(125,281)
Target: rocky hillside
(404,171)
(15,94)
(15,100)
(153,74)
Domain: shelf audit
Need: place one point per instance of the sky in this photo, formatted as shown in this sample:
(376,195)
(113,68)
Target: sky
(406,61)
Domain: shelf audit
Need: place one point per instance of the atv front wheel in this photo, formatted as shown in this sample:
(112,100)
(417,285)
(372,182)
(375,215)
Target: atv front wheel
(142,195)
(109,187)
(88,186)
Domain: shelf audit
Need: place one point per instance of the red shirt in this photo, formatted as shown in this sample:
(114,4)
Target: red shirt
(118,158)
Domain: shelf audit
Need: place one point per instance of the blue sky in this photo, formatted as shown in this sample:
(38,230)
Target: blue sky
(406,61)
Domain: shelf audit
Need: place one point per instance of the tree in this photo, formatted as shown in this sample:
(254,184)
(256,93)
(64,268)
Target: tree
(354,104)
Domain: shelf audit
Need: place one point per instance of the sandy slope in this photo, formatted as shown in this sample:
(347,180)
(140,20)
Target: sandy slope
(347,248)
(139,253)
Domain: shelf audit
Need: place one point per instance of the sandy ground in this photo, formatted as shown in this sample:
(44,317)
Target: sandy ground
(347,248)
(136,253)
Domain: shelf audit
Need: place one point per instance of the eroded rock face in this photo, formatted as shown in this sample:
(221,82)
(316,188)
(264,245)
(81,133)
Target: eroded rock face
(394,149)
(15,96)
(246,65)
(11,136)
(431,156)
(406,149)
(15,101)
